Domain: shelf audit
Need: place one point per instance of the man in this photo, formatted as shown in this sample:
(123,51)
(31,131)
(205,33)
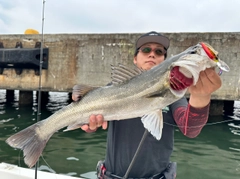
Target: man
(124,136)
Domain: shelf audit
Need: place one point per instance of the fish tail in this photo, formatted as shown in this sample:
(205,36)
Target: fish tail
(30,142)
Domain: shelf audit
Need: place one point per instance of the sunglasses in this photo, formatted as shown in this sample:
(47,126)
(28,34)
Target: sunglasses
(157,51)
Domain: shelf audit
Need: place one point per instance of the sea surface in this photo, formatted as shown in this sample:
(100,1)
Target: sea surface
(214,154)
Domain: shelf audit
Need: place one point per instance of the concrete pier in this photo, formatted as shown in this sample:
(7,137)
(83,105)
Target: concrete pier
(86,59)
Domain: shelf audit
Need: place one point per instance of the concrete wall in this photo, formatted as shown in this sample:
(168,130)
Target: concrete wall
(86,58)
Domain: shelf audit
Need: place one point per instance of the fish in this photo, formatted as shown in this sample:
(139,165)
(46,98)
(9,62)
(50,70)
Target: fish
(133,92)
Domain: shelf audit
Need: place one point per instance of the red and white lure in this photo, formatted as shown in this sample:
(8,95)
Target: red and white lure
(213,55)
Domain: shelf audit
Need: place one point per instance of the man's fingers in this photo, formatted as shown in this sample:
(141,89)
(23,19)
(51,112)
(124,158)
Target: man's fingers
(104,125)
(211,80)
(95,121)
(208,82)
(214,77)
(85,127)
(92,122)
(99,120)
(76,97)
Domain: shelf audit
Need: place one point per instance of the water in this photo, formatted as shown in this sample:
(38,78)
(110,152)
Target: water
(214,154)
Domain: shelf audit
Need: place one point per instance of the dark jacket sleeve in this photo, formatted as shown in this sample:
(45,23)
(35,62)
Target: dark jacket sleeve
(190,120)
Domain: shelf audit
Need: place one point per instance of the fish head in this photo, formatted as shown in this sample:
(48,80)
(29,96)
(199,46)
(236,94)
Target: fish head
(186,66)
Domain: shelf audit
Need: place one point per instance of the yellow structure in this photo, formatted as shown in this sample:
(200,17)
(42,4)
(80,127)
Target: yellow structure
(31,31)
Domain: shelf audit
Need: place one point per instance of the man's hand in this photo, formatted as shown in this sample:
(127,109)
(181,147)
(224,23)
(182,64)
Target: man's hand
(95,121)
(208,82)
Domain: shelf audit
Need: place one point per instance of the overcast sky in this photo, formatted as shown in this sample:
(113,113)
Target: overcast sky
(120,16)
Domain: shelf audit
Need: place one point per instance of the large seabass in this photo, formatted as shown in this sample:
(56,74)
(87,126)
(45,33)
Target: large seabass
(133,93)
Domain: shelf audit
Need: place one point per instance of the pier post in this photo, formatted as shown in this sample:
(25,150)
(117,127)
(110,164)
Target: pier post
(44,98)
(221,107)
(216,107)
(25,98)
(9,96)
(228,107)
(70,98)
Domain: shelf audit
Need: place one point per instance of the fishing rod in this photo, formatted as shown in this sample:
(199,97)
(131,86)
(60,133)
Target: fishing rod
(40,75)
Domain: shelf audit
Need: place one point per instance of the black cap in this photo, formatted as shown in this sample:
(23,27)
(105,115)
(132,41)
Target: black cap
(153,37)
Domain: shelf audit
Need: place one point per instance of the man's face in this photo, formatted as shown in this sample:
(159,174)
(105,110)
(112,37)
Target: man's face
(149,55)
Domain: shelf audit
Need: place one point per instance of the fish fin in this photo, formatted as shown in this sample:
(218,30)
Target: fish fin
(30,142)
(80,90)
(73,127)
(122,73)
(153,122)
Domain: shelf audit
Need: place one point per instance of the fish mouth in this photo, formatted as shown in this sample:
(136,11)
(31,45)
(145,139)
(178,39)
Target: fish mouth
(180,79)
